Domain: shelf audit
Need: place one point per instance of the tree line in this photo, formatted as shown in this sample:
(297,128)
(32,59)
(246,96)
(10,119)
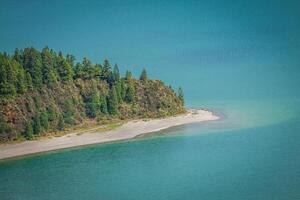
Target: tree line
(29,71)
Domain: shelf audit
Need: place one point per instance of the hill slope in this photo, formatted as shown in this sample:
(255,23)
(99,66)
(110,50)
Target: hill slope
(44,91)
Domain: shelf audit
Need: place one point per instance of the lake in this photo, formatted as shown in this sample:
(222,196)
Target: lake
(240,59)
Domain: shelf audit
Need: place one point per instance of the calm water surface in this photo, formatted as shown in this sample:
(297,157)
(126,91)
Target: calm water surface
(229,159)
(239,58)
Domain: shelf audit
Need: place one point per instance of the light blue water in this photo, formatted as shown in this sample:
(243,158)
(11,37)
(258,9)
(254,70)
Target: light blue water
(236,57)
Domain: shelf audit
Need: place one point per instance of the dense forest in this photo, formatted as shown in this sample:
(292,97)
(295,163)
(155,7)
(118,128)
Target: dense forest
(42,92)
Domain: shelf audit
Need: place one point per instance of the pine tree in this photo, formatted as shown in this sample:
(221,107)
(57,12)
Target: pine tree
(8,69)
(130,93)
(66,72)
(93,103)
(143,76)
(18,56)
(13,71)
(61,123)
(180,95)
(51,113)
(103,106)
(68,111)
(5,128)
(106,70)
(3,68)
(116,73)
(48,70)
(128,75)
(123,89)
(111,79)
(98,71)
(78,71)
(92,107)
(29,81)
(37,101)
(113,102)
(21,81)
(70,59)
(28,133)
(37,123)
(88,69)
(44,120)
(119,91)
(7,90)
(56,60)
(33,64)
(8,78)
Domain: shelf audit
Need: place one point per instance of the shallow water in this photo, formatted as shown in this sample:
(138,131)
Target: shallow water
(240,59)
(240,157)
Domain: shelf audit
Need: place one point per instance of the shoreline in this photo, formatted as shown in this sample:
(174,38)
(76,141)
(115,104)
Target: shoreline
(127,131)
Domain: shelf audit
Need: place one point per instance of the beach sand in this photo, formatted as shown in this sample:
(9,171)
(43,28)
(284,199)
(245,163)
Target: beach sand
(126,131)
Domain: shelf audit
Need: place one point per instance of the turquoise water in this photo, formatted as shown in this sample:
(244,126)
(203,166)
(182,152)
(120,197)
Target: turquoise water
(238,58)
(240,157)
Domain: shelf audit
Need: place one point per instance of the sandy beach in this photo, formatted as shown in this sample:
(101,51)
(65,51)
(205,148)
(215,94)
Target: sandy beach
(126,131)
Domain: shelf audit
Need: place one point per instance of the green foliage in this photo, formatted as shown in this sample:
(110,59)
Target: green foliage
(128,75)
(60,92)
(92,107)
(29,81)
(21,82)
(61,123)
(64,68)
(70,59)
(48,71)
(130,93)
(4,128)
(143,76)
(37,101)
(113,102)
(111,78)
(37,128)
(28,133)
(122,89)
(7,90)
(52,115)
(33,64)
(44,120)
(116,73)
(68,112)
(103,105)
(8,78)
(66,71)
(180,95)
(28,106)
(92,102)
(106,69)
(78,71)
(18,55)
(118,87)
(88,69)
(98,71)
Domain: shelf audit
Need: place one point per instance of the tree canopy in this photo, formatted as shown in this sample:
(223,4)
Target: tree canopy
(51,91)
(143,76)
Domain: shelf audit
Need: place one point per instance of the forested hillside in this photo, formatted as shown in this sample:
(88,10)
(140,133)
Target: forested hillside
(45,91)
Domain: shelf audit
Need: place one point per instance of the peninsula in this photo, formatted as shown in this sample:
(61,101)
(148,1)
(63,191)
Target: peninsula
(42,93)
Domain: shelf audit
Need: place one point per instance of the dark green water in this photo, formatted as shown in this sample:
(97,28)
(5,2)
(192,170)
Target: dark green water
(240,58)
